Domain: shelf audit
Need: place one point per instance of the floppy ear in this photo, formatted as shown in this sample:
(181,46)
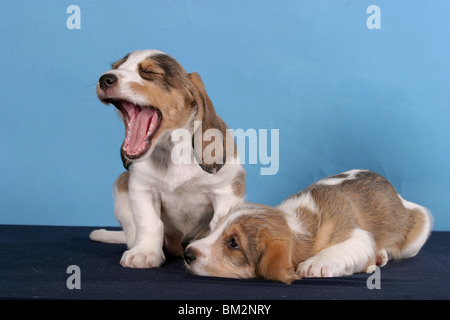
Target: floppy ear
(275,261)
(209,138)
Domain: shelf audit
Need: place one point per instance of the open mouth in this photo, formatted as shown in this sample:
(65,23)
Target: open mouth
(141,126)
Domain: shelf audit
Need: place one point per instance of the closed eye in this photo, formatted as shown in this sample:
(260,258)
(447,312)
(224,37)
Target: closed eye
(148,72)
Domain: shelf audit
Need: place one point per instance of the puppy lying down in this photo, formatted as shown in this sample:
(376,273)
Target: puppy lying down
(341,225)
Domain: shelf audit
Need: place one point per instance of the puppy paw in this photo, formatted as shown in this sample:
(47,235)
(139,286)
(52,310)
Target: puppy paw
(135,258)
(382,257)
(320,266)
(316,267)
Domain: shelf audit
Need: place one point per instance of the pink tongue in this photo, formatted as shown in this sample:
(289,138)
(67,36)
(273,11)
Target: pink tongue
(138,127)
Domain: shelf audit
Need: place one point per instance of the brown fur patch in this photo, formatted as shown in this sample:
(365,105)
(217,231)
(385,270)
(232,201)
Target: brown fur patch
(238,184)
(416,225)
(172,243)
(117,64)
(275,262)
(149,67)
(165,71)
(122,182)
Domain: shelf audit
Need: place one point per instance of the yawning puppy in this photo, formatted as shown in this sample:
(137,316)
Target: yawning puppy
(340,225)
(169,194)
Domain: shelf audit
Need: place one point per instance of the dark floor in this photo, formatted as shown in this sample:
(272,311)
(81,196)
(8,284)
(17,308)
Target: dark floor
(34,262)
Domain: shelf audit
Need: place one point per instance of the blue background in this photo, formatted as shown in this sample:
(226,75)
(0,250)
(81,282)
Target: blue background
(342,96)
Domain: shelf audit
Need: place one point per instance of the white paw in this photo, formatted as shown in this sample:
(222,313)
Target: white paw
(136,258)
(313,268)
(317,267)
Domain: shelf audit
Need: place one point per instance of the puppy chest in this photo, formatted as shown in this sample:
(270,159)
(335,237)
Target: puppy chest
(186,210)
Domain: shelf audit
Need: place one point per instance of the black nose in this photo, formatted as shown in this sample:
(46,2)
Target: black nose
(106,81)
(189,255)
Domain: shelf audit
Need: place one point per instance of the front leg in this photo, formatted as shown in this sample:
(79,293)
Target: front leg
(146,252)
(344,258)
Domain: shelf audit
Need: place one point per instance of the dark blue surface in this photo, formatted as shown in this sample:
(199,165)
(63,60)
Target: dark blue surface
(34,260)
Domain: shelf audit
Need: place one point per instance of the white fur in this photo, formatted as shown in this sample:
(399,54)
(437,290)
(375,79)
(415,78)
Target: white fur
(304,200)
(108,236)
(351,174)
(291,206)
(344,258)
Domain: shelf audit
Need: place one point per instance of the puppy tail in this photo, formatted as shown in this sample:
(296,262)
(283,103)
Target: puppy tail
(106,236)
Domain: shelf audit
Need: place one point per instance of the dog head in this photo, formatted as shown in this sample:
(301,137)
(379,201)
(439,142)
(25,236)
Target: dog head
(154,95)
(252,241)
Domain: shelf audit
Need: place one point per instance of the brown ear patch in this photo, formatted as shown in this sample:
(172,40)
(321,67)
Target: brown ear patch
(209,145)
(275,262)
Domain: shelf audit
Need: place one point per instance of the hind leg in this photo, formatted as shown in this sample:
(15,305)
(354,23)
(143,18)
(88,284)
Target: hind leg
(123,213)
(419,230)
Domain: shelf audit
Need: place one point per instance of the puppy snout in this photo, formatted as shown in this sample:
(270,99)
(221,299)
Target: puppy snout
(106,81)
(189,255)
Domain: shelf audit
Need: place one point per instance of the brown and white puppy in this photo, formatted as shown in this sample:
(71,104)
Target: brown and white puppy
(169,194)
(341,225)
